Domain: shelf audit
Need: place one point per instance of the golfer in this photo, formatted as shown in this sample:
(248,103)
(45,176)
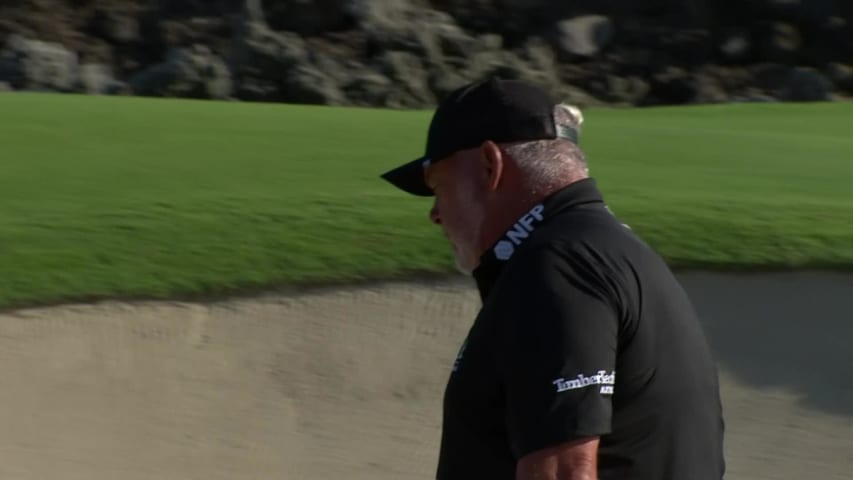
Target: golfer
(586,360)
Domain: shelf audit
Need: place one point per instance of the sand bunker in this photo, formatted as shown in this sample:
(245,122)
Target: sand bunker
(347,383)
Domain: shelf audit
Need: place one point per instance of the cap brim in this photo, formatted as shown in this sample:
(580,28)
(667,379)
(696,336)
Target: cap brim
(409,178)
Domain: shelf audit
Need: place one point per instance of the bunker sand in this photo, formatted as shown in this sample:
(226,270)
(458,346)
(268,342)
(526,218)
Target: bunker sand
(347,383)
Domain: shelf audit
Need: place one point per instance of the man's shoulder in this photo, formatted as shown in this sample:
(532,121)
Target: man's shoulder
(584,250)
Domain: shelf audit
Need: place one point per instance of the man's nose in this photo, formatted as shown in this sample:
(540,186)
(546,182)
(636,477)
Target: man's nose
(433,215)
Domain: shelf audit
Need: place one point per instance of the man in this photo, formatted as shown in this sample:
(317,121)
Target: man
(586,360)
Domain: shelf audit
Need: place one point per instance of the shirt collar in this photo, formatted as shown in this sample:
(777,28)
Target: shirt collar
(502,251)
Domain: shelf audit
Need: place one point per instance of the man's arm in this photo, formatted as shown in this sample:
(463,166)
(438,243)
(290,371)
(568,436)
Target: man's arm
(557,363)
(575,460)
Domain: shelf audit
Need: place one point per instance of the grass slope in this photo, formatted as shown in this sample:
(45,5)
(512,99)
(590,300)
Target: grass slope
(105,196)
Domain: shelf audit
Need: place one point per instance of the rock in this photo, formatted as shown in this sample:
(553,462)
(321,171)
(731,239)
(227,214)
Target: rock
(372,14)
(5,87)
(253,89)
(672,85)
(770,77)
(804,12)
(409,79)
(599,50)
(676,44)
(709,90)
(778,42)
(253,11)
(116,26)
(575,96)
(539,55)
(838,39)
(512,19)
(37,65)
(841,76)
(734,80)
(443,82)
(265,53)
(97,79)
(735,46)
(752,96)
(306,84)
(805,85)
(368,89)
(477,15)
(584,36)
(186,72)
(433,36)
(339,70)
(307,17)
(631,90)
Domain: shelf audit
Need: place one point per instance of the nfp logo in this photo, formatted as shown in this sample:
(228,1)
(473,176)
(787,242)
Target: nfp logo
(518,233)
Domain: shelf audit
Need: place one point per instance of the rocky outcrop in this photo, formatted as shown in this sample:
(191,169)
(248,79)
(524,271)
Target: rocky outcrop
(409,53)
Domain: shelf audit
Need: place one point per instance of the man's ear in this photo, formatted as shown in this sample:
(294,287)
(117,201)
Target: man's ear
(493,160)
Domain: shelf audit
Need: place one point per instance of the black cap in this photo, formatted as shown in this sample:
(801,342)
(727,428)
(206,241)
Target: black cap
(493,109)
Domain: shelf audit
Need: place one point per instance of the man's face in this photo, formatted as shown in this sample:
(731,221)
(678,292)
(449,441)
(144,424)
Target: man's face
(459,208)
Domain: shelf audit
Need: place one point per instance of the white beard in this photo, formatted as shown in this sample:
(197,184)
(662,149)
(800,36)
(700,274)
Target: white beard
(460,268)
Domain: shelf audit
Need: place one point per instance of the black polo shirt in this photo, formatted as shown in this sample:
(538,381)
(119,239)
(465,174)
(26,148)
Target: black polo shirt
(583,331)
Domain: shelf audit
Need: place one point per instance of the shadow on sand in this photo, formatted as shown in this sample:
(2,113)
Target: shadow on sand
(791,330)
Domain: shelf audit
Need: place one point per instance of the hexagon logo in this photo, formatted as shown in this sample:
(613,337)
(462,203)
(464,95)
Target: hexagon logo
(504,249)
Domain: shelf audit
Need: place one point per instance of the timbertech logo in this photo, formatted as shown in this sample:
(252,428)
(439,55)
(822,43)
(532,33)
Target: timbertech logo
(518,233)
(600,378)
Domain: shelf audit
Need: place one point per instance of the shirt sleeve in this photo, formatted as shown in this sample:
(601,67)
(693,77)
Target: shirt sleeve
(558,348)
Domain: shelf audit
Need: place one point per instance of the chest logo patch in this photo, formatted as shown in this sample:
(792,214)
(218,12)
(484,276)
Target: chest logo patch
(600,378)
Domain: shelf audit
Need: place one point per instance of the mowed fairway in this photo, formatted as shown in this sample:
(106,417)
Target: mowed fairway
(108,196)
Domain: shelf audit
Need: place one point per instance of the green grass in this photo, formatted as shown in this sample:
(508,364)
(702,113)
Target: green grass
(105,196)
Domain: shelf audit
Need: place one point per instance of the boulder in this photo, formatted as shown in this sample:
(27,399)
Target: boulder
(373,14)
(805,84)
(306,84)
(735,46)
(98,79)
(368,89)
(261,52)
(838,40)
(672,85)
(410,86)
(28,64)
(307,17)
(116,26)
(252,89)
(841,76)
(431,35)
(770,77)
(709,89)
(802,12)
(630,90)
(186,72)
(408,53)
(778,42)
(253,11)
(584,36)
